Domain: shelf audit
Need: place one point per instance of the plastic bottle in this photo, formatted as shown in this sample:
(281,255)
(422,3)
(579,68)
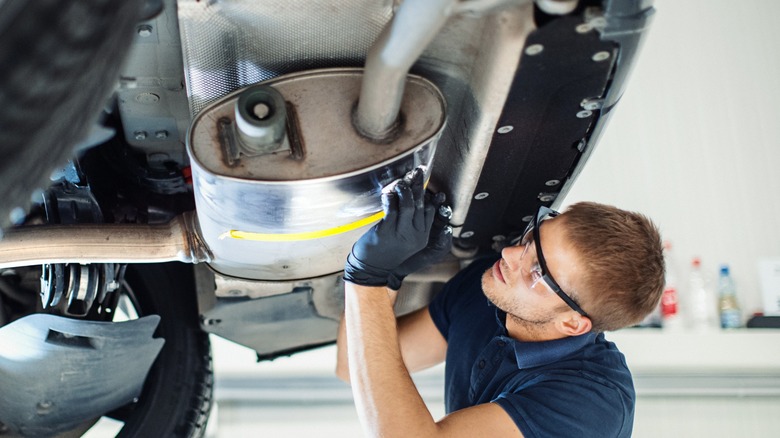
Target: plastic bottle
(671,318)
(702,300)
(728,306)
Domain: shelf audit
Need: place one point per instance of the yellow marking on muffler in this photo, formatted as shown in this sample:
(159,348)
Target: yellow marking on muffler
(309,235)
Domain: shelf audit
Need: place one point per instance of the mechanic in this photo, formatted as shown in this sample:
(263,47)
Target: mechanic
(521,334)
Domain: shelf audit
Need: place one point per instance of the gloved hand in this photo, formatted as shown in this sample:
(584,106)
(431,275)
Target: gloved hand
(439,243)
(401,234)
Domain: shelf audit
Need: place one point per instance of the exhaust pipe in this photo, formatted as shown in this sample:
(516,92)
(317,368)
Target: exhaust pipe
(178,240)
(415,24)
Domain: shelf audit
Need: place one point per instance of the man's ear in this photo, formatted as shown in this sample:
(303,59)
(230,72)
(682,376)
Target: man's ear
(573,324)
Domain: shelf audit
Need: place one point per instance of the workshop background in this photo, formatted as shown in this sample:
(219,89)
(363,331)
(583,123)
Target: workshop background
(695,145)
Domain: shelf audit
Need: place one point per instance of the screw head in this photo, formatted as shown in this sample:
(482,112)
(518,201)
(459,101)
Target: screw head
(144,30)
(546,198)
(584,114)
(527,218)
(140,135)
(505,129)
(466,234)
(601,56)
(480,196)
(161,134)
(534,49)
(552,182)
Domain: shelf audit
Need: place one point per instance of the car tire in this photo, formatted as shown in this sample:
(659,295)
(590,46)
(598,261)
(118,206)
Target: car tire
(177,396)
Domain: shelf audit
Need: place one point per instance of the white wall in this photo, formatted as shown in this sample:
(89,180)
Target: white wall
(695,141)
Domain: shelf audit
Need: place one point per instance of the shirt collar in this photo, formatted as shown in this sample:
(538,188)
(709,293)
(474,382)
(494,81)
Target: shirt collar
(534,354)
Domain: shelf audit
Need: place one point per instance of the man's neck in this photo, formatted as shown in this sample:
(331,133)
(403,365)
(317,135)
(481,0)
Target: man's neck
(525,331)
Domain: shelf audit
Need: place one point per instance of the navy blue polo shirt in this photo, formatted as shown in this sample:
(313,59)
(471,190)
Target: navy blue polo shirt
(576,386)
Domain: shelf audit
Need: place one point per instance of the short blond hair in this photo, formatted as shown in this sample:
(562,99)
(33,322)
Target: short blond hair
(623,263)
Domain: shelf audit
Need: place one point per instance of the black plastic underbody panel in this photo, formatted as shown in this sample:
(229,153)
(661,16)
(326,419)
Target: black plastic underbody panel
(545,142)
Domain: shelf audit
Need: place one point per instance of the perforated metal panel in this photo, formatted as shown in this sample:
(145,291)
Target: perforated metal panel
(228,45)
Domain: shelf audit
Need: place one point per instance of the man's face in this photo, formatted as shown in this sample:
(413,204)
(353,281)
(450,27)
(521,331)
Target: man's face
(514,282)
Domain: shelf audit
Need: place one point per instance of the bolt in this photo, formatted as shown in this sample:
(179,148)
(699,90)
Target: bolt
(601,56)
(584,28)
(552,182)
(480,196)
(505,129)
(445,211)
(534,49)
(584,114)
(112,286)
(144,30)
(466,234)
(44,407)
(140,135)
(161,134)
(592,104)
(546,198)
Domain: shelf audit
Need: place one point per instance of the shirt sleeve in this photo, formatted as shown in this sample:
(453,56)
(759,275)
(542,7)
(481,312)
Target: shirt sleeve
(569,405)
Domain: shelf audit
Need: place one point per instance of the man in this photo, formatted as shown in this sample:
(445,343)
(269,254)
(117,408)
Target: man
(521,334)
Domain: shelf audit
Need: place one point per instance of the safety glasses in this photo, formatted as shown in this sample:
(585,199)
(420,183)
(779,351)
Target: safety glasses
(542,272)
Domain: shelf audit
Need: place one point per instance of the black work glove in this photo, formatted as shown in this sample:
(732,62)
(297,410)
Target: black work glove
(402,233)
(439,243)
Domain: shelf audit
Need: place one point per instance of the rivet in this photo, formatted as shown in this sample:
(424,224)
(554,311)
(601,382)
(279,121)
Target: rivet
(466,234)
(534,49)
(482,195)
(140,135)
(584,114)
(584,28)
(161,134)
(601,56)
(505,129)
(552,182)
(144,30)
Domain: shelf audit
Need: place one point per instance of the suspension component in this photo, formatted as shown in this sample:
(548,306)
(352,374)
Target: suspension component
(74,289)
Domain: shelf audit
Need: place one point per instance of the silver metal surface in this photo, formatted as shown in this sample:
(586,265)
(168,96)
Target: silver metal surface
(229,45)
(276,217)
(48,375)
(415,24)
(261,120)
(232,44)
(103,243)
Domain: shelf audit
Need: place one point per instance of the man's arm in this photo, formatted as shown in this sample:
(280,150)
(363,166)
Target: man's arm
(387,401)
(422,345)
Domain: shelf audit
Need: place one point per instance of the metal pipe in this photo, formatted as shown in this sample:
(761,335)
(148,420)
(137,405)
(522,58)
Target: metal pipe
(415,24)
(178,240)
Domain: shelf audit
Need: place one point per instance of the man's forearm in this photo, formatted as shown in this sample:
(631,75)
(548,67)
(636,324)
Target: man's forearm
(387,401)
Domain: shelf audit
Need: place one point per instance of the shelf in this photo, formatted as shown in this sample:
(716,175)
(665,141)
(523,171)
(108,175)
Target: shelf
(728,352)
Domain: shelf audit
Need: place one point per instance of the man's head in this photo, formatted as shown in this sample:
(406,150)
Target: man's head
(608,261)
